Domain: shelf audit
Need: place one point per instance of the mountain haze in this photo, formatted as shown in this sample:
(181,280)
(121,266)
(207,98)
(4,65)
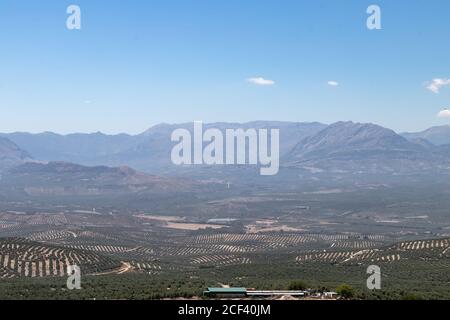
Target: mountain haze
(11,155)
(339,147)
(436,135)
(149,151)
(61,178)
(357,147)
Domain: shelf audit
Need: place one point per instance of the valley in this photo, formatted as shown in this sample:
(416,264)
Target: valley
(347,196)
(234,247)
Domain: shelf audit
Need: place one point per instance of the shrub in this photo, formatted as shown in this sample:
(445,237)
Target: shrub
(345,291)
(297,285)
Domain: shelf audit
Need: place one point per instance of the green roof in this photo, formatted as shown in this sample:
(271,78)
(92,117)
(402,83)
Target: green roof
(227,290)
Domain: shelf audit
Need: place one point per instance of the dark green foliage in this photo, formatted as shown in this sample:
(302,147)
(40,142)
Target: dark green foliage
(345,291)
(298,285)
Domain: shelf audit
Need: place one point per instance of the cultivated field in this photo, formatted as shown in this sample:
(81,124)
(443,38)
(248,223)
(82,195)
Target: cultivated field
(114,246)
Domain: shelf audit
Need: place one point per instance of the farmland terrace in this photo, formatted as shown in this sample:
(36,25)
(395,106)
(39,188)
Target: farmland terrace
(180,256)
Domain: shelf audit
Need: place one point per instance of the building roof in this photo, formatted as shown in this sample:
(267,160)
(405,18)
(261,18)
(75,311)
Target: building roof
(276,293)
(227,290)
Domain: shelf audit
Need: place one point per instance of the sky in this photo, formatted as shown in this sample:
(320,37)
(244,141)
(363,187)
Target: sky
(137,63)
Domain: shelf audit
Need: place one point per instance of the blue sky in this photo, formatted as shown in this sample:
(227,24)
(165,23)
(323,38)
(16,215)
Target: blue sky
(138,63)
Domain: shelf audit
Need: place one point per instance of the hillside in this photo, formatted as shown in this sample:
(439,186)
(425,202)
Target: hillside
(61,178)
(149,151)
(437,135)
(11,154)
(348,146)
(341,147)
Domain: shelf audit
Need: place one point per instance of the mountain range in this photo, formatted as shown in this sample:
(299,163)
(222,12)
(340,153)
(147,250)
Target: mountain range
(149,151)
(356,147)
(435,135)
(99,159)
(11,155)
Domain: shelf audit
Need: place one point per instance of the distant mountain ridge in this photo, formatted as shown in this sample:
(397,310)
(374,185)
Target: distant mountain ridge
(348,139)
(11,155)
(77,148)
(149,151)
(436,135)
(342,146)
(61,178)
(355,147)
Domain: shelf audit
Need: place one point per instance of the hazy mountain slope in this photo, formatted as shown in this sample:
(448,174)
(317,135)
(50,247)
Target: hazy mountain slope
(60,178)
(351,146)
(154,151)
(149,151)
(350,139)
(11,154)
(437,135)
(340,147)
(77,148)
(290,132)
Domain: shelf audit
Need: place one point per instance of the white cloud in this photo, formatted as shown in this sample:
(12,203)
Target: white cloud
(261,81)
(436,84)
(87,101)
(444,114)
(333,83)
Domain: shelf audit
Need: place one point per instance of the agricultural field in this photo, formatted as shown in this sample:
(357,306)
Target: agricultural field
(115,250)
